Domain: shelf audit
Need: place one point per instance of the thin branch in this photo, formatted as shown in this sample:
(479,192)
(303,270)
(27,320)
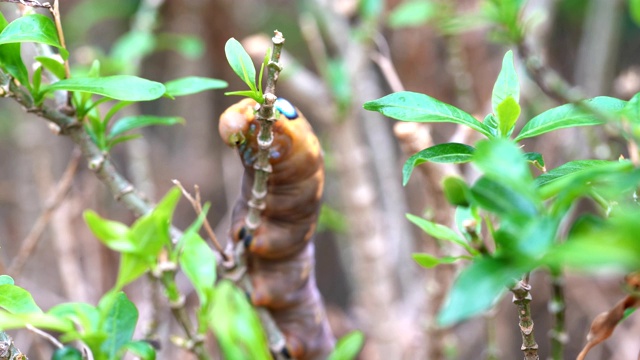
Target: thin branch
(31,241)
(557,307)
(522,298)
(197,206)
(32,3)
(45,335)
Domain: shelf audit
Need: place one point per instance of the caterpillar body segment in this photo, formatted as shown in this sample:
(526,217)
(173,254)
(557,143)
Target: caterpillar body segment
(280,252)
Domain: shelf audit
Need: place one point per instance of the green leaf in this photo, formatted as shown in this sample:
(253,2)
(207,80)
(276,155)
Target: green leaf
(570,115)
(410,106)
(129,123)
(506,85)
(631,110)
(113,234)
(118,87)
(241,62)
(535,239)
(337,74)
(132,266)
(568,168)
(502,160)
(456,191)
(429,261)
(193,85)
(502,200)
(10,58)
(412,13)
(634,11)
(120,139)
(197,260)
(40,320)
(32,28)
(507,112)
(17,300)
(440,232)
(53,65)
(255,95)
(477,289)
(141,349)
(131,47)
(85,316)
(441,153)
(189,46)
(6,280)
(536,160)
(66,353)
(348,347)
(236,325)
(119,324)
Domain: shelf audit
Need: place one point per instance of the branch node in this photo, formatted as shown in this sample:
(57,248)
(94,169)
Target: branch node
(96,163)
(124,192)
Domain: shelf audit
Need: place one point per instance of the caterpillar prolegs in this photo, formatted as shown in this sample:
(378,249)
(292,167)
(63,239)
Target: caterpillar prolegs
(280,252)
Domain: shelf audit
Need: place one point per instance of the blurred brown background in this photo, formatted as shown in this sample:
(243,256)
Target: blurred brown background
(337,59)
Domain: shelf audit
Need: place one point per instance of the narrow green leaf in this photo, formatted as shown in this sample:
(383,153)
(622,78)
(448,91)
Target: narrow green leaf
(118,87)
(412,13)
(197,260)
(500,199)
(193,85)
(32,28)
(506,85)
(241,62)
(139,121)
(441,153)
(53,65)
(10,58)
(507,112)
(348,347)
(634,11)
(113,234)
(189,46)
(142,349)
(236,325)
(631,110)
(410,106)
(477,289)
(119,324)
(131,47)
(66,353)
(255,95)
(440,232)
(120,139)
(6,280)
(568,168)
(570,115)
(429,261)
(42,321)
(17,300)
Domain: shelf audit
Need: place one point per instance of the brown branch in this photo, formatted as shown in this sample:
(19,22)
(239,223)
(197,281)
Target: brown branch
(31,241)
(32,3)
(197,206)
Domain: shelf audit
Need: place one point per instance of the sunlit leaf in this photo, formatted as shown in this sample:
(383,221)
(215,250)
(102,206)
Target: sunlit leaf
(506,85)
(429,261)
(32,28)
(118,87)
(348,346)
(192,85)
(241,62)
(17,300)
(410,106)
(570,115)
(507,113)
(440,232)
(441,153)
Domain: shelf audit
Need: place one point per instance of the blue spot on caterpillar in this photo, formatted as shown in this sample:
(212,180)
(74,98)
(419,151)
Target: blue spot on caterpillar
(286,108)
(280,254)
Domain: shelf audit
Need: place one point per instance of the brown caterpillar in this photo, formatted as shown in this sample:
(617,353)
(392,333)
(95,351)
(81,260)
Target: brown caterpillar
(280,252)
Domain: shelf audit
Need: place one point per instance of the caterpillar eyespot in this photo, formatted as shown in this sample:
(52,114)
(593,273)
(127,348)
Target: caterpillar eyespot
(280,254)
(286,108)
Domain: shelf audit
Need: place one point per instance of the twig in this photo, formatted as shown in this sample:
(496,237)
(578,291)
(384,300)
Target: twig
(522,299)
(55,12)
(32,3)
(32,239)
(197,206)
(45,335)
(557,307)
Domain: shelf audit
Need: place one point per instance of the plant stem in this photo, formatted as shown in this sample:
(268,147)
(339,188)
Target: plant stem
(522,299)
(8,350)
(557,307)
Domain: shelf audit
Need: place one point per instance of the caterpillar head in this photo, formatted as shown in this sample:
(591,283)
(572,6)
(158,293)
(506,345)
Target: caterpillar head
(234,122)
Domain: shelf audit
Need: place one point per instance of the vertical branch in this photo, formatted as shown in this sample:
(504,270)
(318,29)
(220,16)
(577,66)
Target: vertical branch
(522,299)
(557,307)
